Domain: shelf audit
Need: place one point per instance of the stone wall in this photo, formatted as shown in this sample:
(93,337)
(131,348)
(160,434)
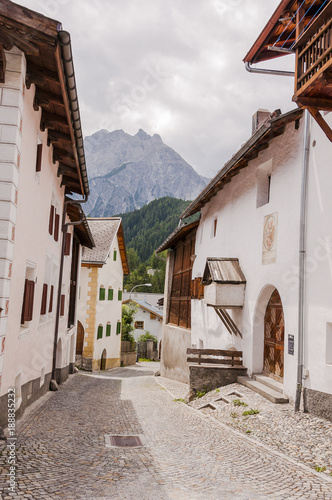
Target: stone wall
(318,403)
(208,377)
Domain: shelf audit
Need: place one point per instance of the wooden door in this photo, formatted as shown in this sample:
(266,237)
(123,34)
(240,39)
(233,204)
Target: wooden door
(274,337)
(80,339)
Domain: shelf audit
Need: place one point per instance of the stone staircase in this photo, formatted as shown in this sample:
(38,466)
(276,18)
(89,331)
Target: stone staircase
(266,387)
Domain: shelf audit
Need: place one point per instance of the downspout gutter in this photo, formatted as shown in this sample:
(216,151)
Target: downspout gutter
(268,71)
(65,225)
(302,255)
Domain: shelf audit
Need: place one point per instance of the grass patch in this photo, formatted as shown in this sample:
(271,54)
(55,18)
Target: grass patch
(250,412)
(238,402)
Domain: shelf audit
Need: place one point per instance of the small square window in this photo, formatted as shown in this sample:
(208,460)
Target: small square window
(139,325)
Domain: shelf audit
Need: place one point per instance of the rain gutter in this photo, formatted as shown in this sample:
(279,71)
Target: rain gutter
(268,71)
(69,73)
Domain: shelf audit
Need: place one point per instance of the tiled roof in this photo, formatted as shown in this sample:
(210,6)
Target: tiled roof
(104,231)
(146,306)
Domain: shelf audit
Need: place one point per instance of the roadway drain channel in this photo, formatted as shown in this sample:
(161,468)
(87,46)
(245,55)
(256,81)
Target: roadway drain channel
(124,441)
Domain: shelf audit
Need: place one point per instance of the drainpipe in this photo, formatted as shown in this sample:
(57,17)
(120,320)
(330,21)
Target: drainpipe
(302,252)
(268,71)
(53,383)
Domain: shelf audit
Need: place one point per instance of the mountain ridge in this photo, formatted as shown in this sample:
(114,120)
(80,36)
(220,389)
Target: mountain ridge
(127,172)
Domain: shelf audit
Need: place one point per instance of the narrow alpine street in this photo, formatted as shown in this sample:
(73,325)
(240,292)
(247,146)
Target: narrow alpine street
(62,451)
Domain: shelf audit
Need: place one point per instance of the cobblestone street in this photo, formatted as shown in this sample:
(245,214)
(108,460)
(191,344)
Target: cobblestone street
(62,454)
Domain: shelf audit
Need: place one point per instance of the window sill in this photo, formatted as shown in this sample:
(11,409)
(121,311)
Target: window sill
(24,332)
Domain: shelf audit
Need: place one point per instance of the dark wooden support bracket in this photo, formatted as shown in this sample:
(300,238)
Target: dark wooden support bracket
(2,64)
(321,122)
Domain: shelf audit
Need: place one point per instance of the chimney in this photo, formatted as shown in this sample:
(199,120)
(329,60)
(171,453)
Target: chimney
(260,117)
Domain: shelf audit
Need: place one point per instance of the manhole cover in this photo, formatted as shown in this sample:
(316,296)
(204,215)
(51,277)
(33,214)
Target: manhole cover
(124,441)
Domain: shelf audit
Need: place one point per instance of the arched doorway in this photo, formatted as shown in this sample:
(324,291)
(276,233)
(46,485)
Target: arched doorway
(80,339)
(274,330)
(103,360)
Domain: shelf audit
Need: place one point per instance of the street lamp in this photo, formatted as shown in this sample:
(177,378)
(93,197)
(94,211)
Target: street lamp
(144,284)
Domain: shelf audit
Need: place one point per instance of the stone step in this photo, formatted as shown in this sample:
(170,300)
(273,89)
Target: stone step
(270,382)
(263,390)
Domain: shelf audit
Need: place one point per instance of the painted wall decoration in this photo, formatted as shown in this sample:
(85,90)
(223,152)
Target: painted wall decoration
(269,250)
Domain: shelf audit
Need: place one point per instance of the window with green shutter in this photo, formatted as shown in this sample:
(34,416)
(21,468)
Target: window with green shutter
(119,294)
(118,328)
(110,294)
(108,330)
(101,293)
(100,332)
(114,255)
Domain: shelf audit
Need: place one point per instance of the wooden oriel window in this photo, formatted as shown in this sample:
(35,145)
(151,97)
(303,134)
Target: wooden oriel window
(51,221)
(27,306)
(180,300)
(67,244)
(43,308)
(50,307)
(62,305)
(39,157)
(56,226)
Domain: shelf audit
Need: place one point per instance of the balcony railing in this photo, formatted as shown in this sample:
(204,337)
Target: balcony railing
(314,55)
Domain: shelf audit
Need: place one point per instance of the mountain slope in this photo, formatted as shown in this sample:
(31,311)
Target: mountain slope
(127,172)
(147,228)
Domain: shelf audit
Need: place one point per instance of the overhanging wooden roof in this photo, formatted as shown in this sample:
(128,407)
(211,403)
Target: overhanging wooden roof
(280,31)
(50,68)
(178,234)
(83,232)
(258,142)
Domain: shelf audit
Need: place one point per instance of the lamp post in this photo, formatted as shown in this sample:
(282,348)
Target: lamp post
(144,284)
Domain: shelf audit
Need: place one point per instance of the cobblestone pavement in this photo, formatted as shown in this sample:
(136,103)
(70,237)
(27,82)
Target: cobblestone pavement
(61,450)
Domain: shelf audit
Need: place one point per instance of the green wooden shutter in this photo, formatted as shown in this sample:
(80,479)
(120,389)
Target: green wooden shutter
(120,295)
(101,293)
(110,294)
(114,255)
(100,332)
(108,330)
(118,328)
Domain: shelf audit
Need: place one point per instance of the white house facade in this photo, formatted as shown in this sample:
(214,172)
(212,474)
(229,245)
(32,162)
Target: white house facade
(246,255)
(101,288)
(40,249)
(148,318)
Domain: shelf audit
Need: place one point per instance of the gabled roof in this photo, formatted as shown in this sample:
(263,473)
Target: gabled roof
(104,231)
(178,234)
(224,271)
(250,150)
(146,306)
(50,68)
(280,31)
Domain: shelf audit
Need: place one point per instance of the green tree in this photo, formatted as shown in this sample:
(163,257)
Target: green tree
(128,316)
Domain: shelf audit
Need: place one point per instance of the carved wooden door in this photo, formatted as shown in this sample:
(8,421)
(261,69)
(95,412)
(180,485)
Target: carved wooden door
(274,330)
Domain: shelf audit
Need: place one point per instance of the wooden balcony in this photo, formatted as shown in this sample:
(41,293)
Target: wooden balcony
(313,72)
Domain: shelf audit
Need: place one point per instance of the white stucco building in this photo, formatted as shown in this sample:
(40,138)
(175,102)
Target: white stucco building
(41,164)
(245,251)
(101,288)
(148,318)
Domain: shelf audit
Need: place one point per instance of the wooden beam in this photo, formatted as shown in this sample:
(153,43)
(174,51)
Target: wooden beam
(2,64)
(62,154)
(17,15)
(68,181)
(20,41)
(46,98)
(321,122)
(313,102)
(65,169)
(39,76)
(49,120)
(56,136)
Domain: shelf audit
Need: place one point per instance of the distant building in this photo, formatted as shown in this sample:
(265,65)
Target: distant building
(41,164)
(100,304)
(148,318)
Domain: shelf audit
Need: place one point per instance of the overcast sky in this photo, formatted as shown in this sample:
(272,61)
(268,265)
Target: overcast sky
(172,67)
